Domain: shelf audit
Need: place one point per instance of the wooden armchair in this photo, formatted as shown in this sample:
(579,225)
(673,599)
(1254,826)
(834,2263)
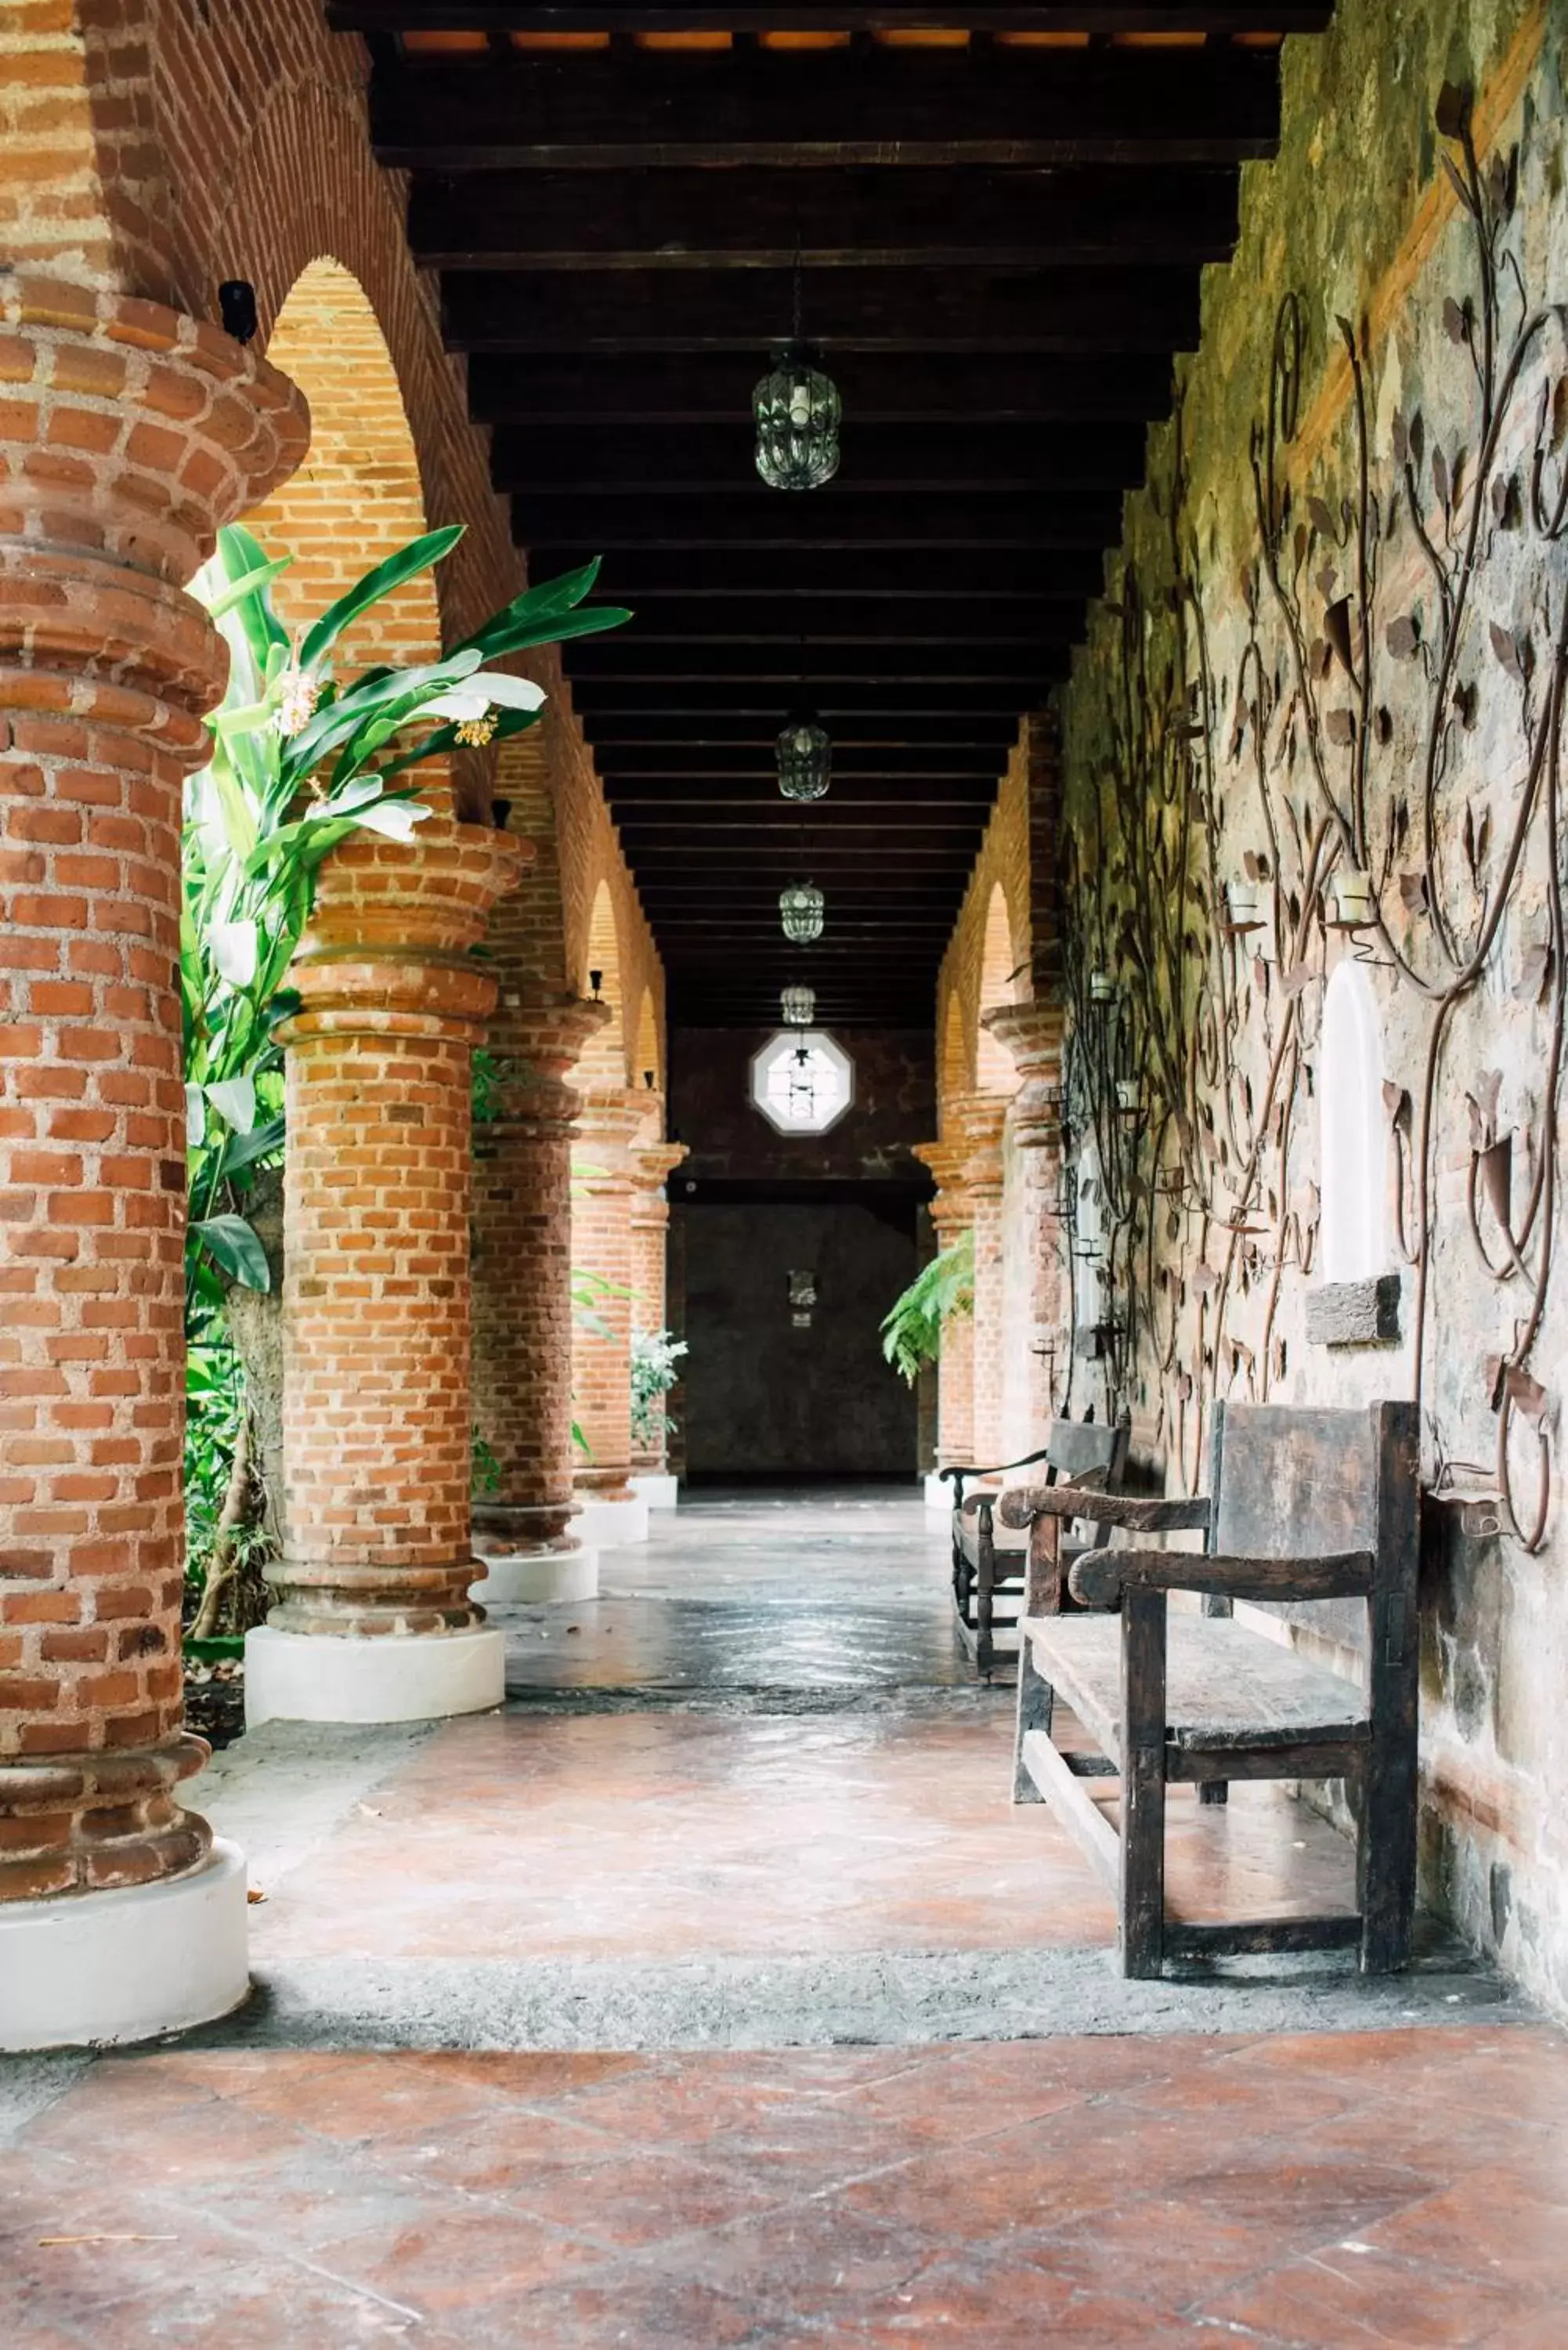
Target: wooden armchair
(1089,1456)
(1314,1516)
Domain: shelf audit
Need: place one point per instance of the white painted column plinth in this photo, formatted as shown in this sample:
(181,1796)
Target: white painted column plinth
(97,1969)
(610,1523)
(532,1578)
(660,1492)
(325,1677)
(938,1493)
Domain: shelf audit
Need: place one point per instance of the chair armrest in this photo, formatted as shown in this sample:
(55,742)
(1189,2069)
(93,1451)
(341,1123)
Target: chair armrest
(1024,1503)
(1099,1577)
(999,1469)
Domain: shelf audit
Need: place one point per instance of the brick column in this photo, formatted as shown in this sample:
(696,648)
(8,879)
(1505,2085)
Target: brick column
(611,1120)
(373,1619)
(980,1119)
(127,434)
(1038,1321)
(652,1163)
(952,1215)
(523,1296)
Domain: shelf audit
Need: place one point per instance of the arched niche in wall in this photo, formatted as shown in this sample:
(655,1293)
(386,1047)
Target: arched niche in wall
(994,1071)
(1353,1239)
(1356,1300)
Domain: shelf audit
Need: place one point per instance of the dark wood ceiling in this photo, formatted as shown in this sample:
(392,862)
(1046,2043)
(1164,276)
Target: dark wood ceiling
(1001,214)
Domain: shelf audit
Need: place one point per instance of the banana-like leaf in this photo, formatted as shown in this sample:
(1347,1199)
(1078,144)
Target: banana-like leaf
(554,629)
(243,1150)
(240,554)
(234,1099)
(262,576)
(551,596)
(232,1245)
(235,951)
(507,722)
(406,564)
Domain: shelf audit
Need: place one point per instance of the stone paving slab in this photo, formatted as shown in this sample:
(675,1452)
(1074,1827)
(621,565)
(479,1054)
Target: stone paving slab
(1296,2193)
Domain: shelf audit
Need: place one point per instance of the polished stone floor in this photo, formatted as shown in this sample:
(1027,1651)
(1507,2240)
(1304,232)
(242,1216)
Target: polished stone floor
(714,1993)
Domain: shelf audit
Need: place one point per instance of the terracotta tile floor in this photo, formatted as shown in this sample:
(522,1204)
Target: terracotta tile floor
(1300,2191)
(1406,2187)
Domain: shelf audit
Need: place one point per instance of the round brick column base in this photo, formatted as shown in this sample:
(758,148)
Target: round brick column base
(333,1676)
(611,1523)
(656,1486)
(533,1578)
(101,1969)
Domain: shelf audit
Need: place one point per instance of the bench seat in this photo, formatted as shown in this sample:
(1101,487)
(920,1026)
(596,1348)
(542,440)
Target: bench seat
(1226,1686)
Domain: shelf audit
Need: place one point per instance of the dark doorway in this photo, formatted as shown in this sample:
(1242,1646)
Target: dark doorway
(783,1390)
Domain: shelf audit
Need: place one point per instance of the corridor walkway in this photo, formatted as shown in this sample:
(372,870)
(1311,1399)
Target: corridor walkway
(713,1994)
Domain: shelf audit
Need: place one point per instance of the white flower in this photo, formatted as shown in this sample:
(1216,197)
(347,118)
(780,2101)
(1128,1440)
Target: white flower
(297,694)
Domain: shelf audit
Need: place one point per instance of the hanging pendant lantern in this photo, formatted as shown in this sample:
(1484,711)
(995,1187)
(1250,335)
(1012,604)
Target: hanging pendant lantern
(797,408)
(798,1005)
(801,907)
(805,757)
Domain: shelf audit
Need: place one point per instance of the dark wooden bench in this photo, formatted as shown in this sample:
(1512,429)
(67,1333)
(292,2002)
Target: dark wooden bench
(1313,1515)
(1086,1454)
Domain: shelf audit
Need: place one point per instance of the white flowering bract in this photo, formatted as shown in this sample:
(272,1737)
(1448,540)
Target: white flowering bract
(297,694)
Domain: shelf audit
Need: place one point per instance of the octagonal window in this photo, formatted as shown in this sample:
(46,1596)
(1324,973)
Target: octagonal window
(802,1081)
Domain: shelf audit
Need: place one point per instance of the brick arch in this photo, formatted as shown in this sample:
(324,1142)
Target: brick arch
(602,1059)
(647,1055)
(993,1068)
(953,1075)
(267,167)
(359,496)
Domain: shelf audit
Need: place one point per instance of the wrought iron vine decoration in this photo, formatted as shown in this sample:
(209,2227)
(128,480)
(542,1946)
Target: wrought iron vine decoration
(1182,1144)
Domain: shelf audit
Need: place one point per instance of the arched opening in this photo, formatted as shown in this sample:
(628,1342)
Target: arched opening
(994,1072)
(358,496)
(1351,1130)
(648,1068)
(603,1060)
(953,1068)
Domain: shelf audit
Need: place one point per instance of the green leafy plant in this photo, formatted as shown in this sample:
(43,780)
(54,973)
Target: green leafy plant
(655,1355)
(912,1328)
(300,760)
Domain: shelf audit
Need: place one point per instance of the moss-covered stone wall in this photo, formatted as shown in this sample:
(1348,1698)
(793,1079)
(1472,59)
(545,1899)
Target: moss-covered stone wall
(1317,725)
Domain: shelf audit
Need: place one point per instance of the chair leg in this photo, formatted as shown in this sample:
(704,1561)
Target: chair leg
(1385,1858)
(1036,1706)
(1143,1782)
(985,1589)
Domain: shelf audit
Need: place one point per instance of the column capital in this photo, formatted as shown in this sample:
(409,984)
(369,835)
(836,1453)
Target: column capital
(652,1163)
(951,1210)
(1033,1035)
(388,947)
(535,1038)
(979,1119)
(156,431)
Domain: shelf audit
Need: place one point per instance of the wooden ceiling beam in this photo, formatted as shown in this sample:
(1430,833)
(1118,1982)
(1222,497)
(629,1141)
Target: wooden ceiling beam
(1060,523)
(849,702)
(622,656)
(948,388)
(695,759)
(1222,18)
(826,110)
(1045,311)
(643,577)
(667,222)
(885,459)
(857,620)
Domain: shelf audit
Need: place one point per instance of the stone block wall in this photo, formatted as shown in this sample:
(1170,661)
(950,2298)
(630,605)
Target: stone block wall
(1337,621)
